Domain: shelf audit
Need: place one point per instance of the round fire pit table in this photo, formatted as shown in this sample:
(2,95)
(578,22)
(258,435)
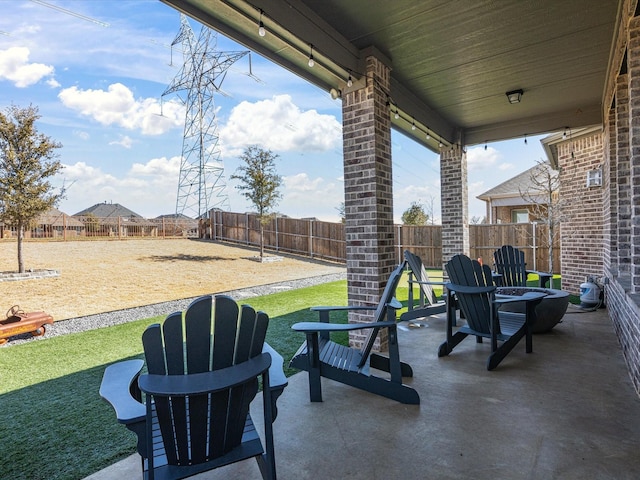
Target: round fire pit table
(549,311)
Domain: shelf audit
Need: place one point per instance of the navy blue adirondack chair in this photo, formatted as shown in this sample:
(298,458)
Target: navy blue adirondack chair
(512,269)
(428,304)
(202,375)
(474,291)
(322,357)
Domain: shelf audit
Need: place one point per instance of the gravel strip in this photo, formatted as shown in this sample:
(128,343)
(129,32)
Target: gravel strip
(101,320)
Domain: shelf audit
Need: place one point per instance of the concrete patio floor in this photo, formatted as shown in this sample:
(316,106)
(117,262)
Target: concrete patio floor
(566,411)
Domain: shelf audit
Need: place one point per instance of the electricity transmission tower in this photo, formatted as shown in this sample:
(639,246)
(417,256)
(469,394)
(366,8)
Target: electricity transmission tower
(201,184)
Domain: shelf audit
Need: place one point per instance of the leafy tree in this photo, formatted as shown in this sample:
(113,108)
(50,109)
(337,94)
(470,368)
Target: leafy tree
(27,161)
(415,215)
(259,183)
(477,220)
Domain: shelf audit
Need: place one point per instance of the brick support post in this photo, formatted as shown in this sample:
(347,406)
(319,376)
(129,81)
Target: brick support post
(633,56)
(610,197)
(368,193)
(623,187)
(623,190)
(455,203)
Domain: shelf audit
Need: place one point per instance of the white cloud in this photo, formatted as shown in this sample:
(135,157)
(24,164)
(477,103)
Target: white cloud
(15,67)
(479,158)
(125,141)
(302,183)
(117,106)
(148,189)
(279,125)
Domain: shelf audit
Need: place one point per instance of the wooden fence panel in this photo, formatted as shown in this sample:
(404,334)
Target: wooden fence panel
(309,237)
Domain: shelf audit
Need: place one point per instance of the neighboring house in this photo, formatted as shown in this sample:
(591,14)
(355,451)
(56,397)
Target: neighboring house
(178,224)
(113,219)
(511,201)
(54,223)
(51,224)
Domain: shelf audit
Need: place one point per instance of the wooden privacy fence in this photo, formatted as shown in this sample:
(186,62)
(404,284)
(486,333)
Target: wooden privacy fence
(326,240)
(308,237)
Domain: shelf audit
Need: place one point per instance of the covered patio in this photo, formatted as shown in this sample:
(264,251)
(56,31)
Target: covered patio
(566,411)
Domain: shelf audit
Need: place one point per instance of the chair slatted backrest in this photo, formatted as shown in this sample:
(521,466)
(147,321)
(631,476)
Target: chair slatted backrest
(214,334)
(417,268)
(477,308)
(381,312)
(509,262)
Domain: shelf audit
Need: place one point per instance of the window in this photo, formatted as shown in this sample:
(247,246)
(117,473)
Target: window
(519,216)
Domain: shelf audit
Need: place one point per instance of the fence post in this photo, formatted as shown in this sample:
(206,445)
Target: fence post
(311,238)
(246,215)
(534,247)
(399,244)
(275,219)
(64,227)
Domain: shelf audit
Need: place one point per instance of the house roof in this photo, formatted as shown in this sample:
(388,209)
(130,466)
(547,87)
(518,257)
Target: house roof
(515,185)
(57,218)
(109,210)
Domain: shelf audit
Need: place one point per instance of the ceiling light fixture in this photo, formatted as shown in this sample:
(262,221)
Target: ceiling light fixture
(397,115)
(350,82)
(514,96)
(413,125)
(261,31)
(311,62)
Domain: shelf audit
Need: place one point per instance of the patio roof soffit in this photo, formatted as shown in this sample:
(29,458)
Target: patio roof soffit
(336,59)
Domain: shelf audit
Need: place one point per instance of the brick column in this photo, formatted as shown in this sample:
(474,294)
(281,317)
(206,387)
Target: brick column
(633,56)
(623,190)
(455,203)
(368,193)
(610,197)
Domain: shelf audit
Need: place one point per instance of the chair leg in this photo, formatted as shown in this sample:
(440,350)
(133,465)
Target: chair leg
(315,385)
(447,347)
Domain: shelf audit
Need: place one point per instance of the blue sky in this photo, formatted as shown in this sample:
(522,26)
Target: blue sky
(96,70)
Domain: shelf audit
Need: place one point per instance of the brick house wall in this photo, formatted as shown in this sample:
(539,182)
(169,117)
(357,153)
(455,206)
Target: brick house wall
(621,198)
(582,229)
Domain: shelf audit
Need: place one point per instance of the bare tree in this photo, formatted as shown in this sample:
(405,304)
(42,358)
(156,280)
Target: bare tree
(430,209)
(27,161)
(545,205)
(259,184)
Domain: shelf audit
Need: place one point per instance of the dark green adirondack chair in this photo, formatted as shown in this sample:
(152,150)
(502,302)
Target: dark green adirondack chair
(202,375)
(474,291)
(428,304)
(512,269)
(322,357)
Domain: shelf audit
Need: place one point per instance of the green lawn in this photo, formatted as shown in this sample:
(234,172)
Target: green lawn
(56,426)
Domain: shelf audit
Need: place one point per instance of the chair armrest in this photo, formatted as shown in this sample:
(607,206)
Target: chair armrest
(277,378)
(338,308)
(467,289)
(424,282)
(206,382)
(543,278)
(309,327)
(115,388)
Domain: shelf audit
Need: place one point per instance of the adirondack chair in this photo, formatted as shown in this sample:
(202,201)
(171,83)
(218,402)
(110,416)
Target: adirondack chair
(202,375)
(429,304)
(474,291)
(512,270)
(322,357)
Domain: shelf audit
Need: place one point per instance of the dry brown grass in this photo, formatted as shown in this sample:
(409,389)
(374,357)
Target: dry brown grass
(103,276)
